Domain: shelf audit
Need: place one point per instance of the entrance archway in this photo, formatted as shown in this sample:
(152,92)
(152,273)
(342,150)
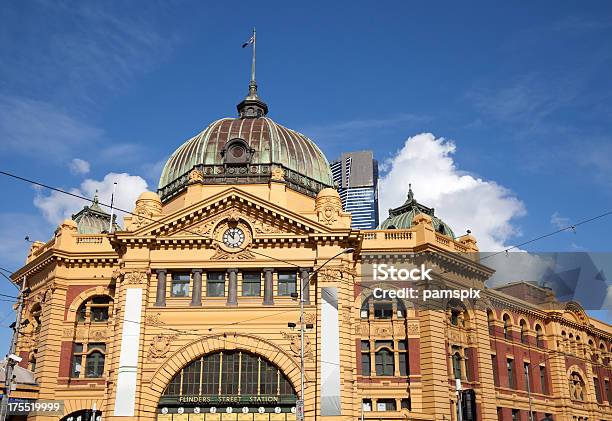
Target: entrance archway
(84,415)
(229,382)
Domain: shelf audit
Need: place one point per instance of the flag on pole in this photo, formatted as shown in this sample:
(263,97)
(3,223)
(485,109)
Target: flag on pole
(250,41)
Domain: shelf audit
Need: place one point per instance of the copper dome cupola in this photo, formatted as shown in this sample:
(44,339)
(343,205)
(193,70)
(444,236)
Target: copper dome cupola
(246,150)
(402,216)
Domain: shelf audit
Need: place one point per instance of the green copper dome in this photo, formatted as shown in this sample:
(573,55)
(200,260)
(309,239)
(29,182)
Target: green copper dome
(401,217)
(93,219)
(246,150)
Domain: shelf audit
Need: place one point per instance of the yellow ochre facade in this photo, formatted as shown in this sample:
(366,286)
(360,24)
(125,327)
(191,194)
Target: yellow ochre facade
(189,310)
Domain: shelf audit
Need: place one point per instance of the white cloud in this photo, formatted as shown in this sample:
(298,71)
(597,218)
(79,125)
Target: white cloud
(79,166)
(559,221)
(58,206)
(461,200)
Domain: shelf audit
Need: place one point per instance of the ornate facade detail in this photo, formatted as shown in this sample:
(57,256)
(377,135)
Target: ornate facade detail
(260,227)
(278,174)
(135,278)
(328,210)
(153,319)
(310,318)
(413,328)
(148,206)
(221,254)
(196,176)
(295,345)
(160,346)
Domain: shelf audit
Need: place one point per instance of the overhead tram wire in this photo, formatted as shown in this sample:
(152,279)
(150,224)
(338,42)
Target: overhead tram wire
(36,183)
(550,234)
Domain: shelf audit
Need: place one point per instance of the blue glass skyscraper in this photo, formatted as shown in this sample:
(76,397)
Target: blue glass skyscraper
(356,175)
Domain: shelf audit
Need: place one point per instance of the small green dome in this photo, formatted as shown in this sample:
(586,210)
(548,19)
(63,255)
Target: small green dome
(401,217)
(93,220)
(246,150)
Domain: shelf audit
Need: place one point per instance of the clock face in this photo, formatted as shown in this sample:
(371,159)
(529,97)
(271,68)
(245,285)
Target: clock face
(233,237)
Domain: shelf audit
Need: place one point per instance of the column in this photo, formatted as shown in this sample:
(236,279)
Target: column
(268,287)
(196,293)
(232,293)
(160,300)
(305,285)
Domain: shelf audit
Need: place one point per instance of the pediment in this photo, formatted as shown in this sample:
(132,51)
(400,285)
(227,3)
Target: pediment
(200,220)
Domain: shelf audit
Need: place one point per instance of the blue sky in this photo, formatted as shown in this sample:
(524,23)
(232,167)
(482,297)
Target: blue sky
(517,97)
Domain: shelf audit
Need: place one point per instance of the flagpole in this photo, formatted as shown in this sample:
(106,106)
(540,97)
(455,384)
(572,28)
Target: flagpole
(253,64)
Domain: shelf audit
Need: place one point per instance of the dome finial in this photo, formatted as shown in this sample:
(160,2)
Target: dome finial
(410,193)
(252,106)
(95,199)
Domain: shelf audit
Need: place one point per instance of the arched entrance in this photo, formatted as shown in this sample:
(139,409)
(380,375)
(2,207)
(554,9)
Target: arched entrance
(84,415)
(234,382)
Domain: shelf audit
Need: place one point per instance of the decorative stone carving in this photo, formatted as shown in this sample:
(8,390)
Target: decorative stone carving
(154,319)
(221,254)
(196,176)
(328,206)
(295,345)
(148,206)
(261,227)
(234,216)
(310,318)
(160,346)
(413,328)
(278,174)
(383,331)
(135,278)
(99,335)
(68,332)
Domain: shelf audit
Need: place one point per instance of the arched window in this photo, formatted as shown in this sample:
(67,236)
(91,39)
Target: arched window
(230,373)
(539,336)
(506,326)
(457,365)
(385,363)
(95,310)
(523,331)
(491,321)
(382,309)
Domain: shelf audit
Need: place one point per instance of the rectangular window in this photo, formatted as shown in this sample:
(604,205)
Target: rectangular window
(510,368)
(494,364)
(251,284)
(215,284)
(385,405)
(608,391)
(287,283)
(597,390)
(406,404)
(515,415)
(180,284)
(385,365)
(366,405)
(365,364)
(77,360)
(383,310)
(543,382)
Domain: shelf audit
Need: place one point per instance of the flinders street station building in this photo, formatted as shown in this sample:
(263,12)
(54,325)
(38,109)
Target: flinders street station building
(239,289)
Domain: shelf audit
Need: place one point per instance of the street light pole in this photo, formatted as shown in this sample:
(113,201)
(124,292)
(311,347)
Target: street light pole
(11,359)
(305,285)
